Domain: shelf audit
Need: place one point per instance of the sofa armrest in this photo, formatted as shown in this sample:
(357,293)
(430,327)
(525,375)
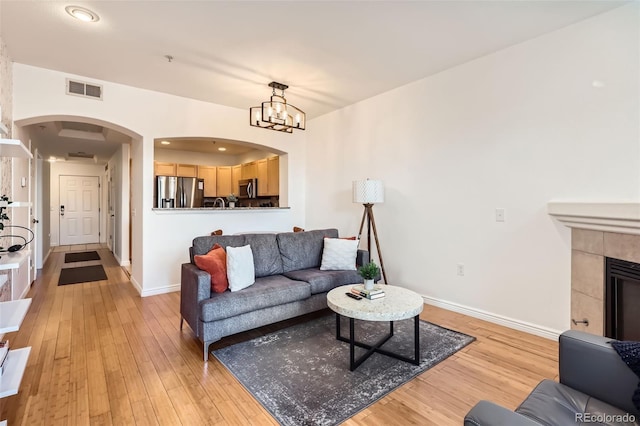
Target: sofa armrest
(195,286)
(589,363)
(362,257)
(488,413)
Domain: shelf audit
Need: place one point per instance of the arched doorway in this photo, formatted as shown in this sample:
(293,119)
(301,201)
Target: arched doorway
(77,145)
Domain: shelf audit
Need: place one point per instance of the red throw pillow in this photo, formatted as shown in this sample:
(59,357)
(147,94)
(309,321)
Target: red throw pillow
(215,263)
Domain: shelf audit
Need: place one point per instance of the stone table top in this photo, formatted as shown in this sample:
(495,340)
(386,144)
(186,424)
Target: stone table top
(398,304)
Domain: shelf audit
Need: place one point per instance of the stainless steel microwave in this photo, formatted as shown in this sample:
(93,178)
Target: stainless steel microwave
(248,188)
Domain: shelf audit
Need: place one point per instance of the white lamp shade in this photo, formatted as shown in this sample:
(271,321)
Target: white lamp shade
(368,191)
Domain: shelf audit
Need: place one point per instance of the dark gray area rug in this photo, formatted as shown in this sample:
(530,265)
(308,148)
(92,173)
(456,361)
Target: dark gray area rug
(82,256)
(301,374)
(82,274)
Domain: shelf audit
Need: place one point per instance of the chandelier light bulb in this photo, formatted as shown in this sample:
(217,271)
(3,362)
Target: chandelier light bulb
(257,115)
(298,119)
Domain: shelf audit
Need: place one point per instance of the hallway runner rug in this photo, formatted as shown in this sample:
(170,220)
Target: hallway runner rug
(82,256)
(301,374)
(82,275)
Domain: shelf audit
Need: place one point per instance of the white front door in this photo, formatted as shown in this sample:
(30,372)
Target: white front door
(79,210)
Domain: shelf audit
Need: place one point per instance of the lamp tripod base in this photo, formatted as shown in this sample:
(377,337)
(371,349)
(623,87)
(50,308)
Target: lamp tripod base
(371,224)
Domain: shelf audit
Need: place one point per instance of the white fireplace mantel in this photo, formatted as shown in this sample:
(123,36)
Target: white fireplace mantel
(622,218)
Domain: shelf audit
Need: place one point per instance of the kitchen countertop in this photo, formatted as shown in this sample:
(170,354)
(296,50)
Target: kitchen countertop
(215,209)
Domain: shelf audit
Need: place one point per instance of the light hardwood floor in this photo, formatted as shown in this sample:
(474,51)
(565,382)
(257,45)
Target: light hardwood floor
(103,355)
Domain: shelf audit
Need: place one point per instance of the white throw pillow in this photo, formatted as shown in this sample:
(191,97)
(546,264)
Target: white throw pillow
(240,270)
(339,255)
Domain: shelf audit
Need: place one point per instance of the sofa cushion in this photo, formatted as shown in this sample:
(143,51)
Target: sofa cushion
(215,263)
(303,250)
(266,254)
(322,281)
(339,254)
(552,403)
(202,245)
(267,291)
(240,269)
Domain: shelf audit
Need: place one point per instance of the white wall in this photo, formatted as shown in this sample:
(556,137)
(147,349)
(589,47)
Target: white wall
(61,168)
(198,158)
(511,130)
(45,218)
(120,163)
(160,241)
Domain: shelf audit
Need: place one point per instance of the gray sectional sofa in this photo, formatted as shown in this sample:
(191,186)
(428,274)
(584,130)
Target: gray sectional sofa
(289,283)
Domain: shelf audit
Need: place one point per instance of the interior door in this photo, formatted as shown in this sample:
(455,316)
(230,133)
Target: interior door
(112,210)
(79,210)
(34,219)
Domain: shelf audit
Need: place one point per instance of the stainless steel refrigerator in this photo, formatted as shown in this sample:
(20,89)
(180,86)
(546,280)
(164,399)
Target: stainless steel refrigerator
(179,192)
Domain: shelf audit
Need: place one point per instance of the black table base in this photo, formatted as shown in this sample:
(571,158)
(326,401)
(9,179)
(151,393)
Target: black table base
(376,348)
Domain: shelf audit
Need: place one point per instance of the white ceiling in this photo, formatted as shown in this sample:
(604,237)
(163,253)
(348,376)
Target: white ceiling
(330,53)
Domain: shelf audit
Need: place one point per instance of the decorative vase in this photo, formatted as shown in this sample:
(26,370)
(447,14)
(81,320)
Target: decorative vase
(368,284)
(232,204)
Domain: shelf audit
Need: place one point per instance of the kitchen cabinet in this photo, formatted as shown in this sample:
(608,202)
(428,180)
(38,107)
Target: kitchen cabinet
(249,170)
(224,181)
(273,175)
(187,170)
(236,175)
(263,180)
(209,174)
(164,169)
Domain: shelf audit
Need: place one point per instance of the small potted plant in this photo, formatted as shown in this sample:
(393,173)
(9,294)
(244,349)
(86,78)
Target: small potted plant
(369,272)
(231,198)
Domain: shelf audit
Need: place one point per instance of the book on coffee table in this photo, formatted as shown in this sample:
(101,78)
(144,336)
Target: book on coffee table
(376,289)
(371,296)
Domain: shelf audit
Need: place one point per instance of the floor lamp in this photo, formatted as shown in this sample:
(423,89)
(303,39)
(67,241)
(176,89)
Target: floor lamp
(368,192)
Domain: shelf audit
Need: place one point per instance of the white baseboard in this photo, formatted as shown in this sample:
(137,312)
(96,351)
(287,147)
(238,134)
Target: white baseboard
(44,261)
(160,290)
(538,330)
(120,261)
(136,285)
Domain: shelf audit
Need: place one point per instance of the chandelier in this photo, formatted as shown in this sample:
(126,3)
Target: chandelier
(276,114)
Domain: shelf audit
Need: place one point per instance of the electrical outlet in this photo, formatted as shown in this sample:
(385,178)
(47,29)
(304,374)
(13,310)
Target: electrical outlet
(500,214)
(460,268)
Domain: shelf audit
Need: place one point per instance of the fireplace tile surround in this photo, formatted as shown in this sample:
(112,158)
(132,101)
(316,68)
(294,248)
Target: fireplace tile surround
(598,230)
(589,249)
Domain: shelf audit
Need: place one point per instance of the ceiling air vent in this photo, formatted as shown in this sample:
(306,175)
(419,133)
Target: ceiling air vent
(82,156)
(80,88)
(79,155)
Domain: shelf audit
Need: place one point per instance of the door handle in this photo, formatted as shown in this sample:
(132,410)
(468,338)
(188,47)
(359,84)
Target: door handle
(61,210)
(35,221)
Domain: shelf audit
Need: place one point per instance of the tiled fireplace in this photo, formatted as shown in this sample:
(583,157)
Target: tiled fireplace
(599,231)
(589,249)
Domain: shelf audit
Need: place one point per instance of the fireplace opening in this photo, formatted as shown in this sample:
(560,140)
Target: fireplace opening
(622,299)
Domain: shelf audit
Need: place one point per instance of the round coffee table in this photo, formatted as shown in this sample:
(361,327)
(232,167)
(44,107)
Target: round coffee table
(398,304)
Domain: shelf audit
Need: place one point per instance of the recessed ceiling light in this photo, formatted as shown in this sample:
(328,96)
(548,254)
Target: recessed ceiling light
(222,148)
(83,14)
(165,143)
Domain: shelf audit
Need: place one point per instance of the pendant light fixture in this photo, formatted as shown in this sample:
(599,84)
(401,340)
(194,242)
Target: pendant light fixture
(276,114)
